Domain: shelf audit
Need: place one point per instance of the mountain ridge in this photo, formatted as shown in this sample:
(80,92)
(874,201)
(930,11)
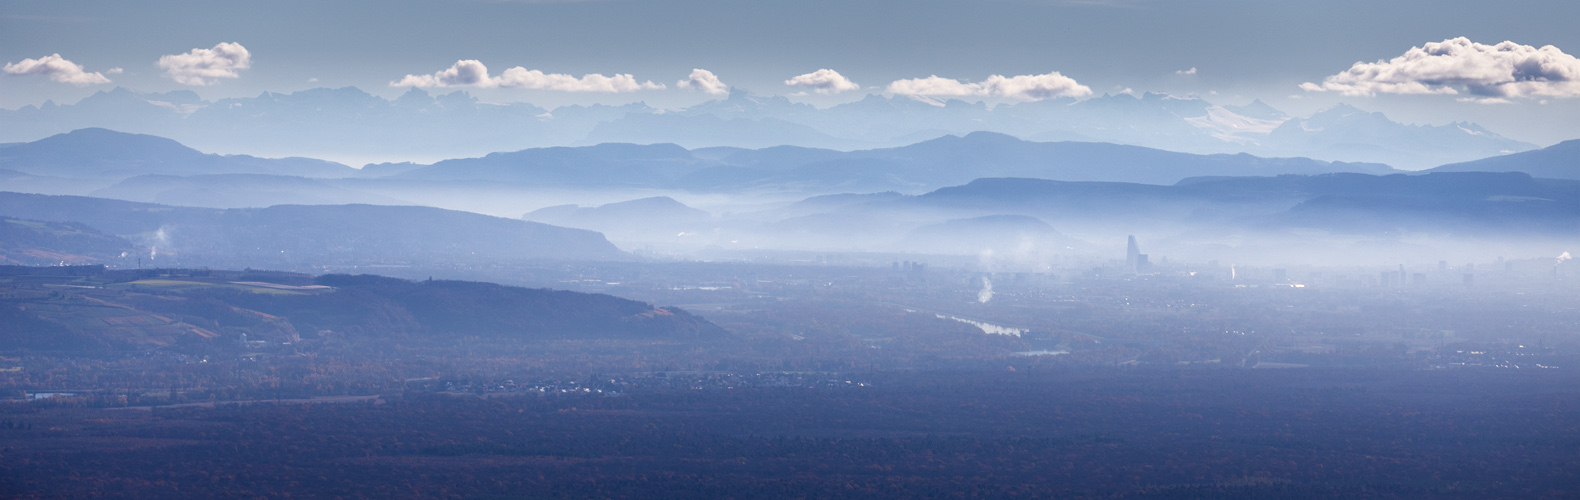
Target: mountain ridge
(351,122)
(1559,161)
(99,152)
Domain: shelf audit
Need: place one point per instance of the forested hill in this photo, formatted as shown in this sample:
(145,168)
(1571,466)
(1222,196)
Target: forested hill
(302,236)
(90,309)
(444,307)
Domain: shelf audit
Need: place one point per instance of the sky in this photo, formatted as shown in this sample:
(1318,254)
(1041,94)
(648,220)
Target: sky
(1228,51)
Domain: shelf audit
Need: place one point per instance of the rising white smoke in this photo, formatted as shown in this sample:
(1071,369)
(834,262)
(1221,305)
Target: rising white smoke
(988,328)
(161,237)
(987,291)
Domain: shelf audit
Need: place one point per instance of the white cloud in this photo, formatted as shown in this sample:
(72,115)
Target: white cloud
(1190,71)
(933,85)
(1022,87)
(58,69)
(114,71)
(206,66)
(823,81)
(519,77)
(464,73)
(1503,71)
(1484,100)
(705,81)
(472,73)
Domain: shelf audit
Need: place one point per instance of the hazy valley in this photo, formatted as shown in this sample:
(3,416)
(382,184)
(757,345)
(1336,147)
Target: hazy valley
(660,250)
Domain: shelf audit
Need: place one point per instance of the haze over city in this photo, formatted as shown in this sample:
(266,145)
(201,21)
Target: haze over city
(710,249)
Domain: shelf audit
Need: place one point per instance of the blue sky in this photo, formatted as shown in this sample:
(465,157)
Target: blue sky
(1240,49)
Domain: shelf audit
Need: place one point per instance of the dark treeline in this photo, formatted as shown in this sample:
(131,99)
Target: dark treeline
(1140,433)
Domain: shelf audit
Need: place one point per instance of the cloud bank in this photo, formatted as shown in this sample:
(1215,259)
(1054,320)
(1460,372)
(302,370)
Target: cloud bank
(202,67)
(472,73)
(1022,87)
(522,78)
(705,81)
(823,81)
(57,69)
(1494,73)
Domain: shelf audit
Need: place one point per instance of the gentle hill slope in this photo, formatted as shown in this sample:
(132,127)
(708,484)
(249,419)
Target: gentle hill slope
(89,309)
(298,235)
(1559,161)
(237,191)
(1473,203)
(647,218)
(102,153)
(38,243)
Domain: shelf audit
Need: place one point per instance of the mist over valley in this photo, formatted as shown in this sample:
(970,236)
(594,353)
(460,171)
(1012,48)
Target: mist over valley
(789,250)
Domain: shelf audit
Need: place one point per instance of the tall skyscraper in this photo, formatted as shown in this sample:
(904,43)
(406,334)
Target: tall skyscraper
(1132,255)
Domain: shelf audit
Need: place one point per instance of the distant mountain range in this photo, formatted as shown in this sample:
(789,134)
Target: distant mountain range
(348,122)
(982,190)
(303,236)
(147,168)
(1230,217)
(925,165)
(1345,133)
